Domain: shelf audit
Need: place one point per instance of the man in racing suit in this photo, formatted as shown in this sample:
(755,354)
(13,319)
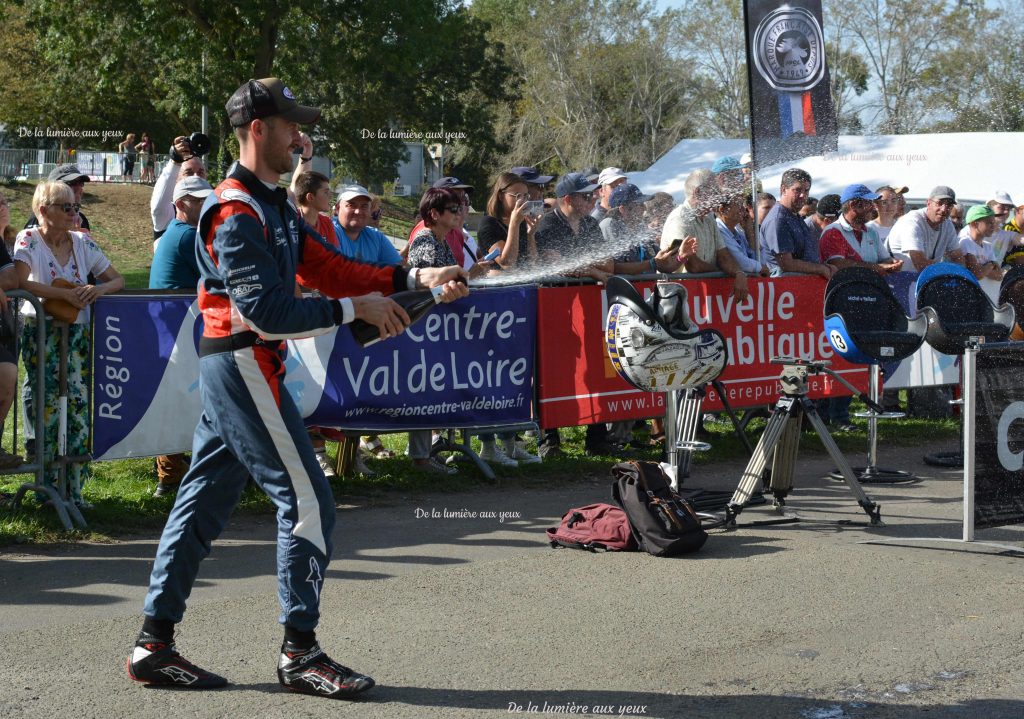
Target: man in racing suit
(253,248)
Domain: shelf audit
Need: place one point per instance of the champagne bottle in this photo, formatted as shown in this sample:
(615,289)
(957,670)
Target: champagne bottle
(416,304)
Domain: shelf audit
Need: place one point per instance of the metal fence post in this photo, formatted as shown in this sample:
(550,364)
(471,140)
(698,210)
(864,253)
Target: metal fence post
(67,512)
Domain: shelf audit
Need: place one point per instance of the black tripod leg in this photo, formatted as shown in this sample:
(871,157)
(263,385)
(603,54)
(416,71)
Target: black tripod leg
(871,508)
(737,425)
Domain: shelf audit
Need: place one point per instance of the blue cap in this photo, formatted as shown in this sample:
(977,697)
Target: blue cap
(724,164)
(858,192)
(572,183)
(625,194)
(531,176)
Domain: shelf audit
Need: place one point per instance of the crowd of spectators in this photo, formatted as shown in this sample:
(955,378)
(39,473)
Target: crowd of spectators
(588,224)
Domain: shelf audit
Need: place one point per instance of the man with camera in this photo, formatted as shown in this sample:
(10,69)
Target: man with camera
(186,161)
(175,268)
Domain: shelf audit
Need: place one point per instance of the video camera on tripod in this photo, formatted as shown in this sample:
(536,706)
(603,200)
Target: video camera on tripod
(793,380)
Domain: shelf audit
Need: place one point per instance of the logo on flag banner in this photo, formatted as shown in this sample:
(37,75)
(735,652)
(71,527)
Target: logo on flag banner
(466,364)
(791,111)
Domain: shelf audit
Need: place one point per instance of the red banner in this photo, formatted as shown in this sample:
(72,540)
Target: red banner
(782,317)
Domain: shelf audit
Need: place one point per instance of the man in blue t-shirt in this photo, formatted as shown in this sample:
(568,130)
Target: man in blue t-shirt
(355,239)
(787,244)
(175,268)
(174,264)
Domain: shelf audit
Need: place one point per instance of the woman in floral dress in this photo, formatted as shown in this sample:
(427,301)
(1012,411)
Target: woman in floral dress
(42,255)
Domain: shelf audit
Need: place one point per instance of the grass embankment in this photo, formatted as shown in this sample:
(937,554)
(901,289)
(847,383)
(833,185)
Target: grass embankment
(122,490)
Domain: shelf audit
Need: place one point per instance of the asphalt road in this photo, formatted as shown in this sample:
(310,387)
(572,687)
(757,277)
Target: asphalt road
(478,617)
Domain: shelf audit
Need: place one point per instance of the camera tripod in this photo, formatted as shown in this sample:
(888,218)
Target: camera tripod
(781,440)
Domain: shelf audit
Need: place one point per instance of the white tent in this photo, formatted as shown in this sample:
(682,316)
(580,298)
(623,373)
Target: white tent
(973,164)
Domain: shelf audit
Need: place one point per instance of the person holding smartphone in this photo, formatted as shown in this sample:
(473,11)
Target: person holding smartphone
(507,229)
(510,222)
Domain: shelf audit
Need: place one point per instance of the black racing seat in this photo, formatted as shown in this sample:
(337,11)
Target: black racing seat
(1011,290)
(958,309)
(865,322)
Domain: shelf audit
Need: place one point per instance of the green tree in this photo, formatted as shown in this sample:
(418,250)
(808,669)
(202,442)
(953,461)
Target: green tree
(713,45)
(597,82)
(370,65)
(421,68)
(903,43)
(977,85)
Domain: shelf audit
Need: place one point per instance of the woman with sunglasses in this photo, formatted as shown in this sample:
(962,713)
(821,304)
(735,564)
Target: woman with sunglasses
(506,226)
(42,255)
(441,212)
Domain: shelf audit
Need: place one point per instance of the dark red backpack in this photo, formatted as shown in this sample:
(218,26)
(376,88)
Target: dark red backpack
(594,527)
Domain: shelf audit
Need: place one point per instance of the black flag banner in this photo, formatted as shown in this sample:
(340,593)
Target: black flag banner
(999,438)
(791,111)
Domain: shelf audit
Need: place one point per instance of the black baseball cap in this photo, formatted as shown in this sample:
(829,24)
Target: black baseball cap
(830,206)
(626,194)
(269,97)
(67,173)
(574,183)
(531,176)
(451,183)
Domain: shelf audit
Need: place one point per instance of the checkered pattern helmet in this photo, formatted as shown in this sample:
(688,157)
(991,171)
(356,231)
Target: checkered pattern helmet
(654,345)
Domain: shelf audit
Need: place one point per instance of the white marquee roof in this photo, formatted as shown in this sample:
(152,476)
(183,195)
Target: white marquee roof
(975,165)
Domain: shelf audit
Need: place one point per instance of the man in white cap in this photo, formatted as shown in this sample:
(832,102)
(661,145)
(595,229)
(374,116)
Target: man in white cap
(356,239)
(180,165)
(926,236)
(174,264)
(608,180)
(1002,205)
(175,268)
(1001,238)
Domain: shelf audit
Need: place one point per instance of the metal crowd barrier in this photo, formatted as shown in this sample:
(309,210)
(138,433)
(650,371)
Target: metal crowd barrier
(449,443)
(68,513)
(28,163)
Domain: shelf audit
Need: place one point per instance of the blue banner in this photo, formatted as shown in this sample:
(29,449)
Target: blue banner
(470,363)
